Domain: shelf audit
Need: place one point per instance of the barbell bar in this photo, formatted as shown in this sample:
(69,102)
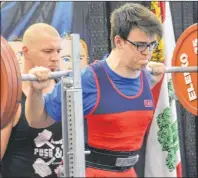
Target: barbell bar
(59,74)
(53,75)
(192,69)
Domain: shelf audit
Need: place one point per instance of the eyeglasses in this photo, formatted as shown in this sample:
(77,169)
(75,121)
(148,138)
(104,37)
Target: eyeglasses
(143,46)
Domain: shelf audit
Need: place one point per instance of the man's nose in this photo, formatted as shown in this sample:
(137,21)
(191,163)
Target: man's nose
(55,56)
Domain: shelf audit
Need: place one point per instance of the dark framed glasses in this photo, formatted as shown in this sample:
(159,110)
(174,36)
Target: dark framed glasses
(143,46)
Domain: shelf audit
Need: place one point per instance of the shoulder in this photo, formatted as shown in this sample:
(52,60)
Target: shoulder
(88,81)
(87,75)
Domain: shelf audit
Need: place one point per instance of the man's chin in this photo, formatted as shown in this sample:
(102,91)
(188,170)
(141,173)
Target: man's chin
(139,68)
(136,69)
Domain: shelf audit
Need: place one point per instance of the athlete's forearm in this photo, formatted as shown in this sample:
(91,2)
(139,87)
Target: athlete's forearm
(34,109)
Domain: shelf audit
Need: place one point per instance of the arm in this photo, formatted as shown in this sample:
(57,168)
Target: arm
(43,111)
(153,80)
(89,90)
(34,109)
(158,70)
(53,100)
(5,136)
(6,132)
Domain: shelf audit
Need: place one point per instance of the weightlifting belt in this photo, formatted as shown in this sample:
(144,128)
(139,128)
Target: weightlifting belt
(110,160)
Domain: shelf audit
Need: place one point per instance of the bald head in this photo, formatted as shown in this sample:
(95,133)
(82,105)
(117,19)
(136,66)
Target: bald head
(38,31)
(41,47)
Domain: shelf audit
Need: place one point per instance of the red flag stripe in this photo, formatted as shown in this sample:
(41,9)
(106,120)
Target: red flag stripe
(162,8)
(179,170)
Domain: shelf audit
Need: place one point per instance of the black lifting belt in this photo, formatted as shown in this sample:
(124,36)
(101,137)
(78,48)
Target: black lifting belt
(110,160)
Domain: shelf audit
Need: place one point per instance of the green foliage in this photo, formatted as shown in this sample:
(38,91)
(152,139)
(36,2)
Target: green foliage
(168,137)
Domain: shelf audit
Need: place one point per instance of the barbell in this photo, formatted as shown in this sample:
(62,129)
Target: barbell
(184,73)
(59,74)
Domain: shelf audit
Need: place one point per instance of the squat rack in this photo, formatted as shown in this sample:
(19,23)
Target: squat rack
(72,117)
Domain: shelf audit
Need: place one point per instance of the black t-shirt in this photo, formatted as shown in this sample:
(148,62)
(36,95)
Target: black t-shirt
(33,152)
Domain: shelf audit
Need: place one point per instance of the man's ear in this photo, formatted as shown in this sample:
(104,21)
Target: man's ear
(25,51)
(118,41)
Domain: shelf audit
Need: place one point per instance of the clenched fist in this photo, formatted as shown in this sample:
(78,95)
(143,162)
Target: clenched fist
(157,70)
(42,75)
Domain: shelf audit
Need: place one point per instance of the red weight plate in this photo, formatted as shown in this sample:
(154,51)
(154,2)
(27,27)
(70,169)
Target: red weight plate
(4,92)
(6,89)
(14,82)
(17,89)
(186,54)
(8,58)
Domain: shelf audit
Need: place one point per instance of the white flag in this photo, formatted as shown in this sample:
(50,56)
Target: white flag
(162,157)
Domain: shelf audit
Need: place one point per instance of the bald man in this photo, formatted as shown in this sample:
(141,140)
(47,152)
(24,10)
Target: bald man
(27,151)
